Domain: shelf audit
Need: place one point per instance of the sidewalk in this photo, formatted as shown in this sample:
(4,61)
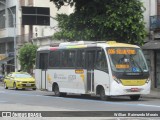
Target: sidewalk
(153,94)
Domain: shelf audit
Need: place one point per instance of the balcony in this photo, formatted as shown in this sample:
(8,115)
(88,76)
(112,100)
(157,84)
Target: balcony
(6,32)
(155,22)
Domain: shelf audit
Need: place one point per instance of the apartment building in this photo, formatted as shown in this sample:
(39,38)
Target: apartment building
(40,35)
(152,46)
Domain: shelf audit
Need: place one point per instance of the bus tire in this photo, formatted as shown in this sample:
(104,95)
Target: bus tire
(103,96)
(57,92)
(134,97)
(33,88)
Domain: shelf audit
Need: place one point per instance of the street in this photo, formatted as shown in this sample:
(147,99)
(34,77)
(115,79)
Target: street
(29,100)
(46,101)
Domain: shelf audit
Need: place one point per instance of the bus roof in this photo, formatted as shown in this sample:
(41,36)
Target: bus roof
(86,44)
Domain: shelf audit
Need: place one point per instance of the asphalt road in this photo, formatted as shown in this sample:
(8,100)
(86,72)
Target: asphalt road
(29,100)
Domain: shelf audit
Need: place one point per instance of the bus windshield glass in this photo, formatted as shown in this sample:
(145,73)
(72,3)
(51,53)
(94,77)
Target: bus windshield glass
(127,60)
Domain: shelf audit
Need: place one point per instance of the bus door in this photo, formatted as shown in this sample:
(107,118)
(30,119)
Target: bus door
(90,60)
(43,66)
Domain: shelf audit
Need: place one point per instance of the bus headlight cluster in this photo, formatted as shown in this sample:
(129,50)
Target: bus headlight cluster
(116,79)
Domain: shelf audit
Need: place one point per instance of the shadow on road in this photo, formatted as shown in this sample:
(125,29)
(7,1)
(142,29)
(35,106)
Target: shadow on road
(112,99)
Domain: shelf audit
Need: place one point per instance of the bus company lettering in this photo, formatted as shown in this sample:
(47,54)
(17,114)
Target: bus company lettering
(59,76)
(71,77)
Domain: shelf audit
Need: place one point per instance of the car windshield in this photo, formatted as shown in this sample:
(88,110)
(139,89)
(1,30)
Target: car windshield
(127,60)
(23,76)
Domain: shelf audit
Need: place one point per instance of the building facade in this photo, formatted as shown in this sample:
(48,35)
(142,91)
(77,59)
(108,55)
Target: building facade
(23,33)
(152,45)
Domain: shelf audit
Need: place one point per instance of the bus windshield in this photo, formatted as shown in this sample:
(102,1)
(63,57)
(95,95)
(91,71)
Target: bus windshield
(127,60)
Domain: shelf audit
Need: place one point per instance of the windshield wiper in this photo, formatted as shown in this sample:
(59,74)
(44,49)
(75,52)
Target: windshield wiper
(136,64)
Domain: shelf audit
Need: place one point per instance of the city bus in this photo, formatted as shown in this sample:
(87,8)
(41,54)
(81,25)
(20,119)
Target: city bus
(100,68)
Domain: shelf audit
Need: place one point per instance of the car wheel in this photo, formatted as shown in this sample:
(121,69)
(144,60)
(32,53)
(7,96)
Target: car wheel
(14,86)
(5,86)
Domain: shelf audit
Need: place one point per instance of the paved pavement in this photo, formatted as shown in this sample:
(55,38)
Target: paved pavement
(153,94)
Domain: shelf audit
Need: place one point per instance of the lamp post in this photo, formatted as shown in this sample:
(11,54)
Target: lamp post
(14,26)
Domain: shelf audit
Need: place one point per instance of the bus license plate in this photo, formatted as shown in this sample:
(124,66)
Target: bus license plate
(134,90)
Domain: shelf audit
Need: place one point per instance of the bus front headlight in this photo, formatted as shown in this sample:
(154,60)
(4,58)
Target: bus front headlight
(116,79)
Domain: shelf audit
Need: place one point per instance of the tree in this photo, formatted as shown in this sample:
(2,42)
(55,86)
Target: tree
(120,20)
(27,56)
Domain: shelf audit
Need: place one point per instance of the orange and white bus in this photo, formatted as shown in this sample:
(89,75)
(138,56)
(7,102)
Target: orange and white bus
(98,68)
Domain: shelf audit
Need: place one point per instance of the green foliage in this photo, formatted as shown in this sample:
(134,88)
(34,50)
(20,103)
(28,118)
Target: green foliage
(27,56)
(120,20)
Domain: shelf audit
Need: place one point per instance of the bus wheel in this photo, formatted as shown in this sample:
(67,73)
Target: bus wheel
(103,96)
(33,88)
(134,97)
(56,91)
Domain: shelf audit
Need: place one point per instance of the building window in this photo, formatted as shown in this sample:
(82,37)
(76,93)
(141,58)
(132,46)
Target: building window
(13,9)
(10,47)
(2,48)
(2,19)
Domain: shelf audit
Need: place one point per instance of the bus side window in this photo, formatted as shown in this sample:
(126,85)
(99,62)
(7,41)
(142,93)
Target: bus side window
(71,58)
(54,60)
(80,59)
(64,56)
(51,59)
(101,62)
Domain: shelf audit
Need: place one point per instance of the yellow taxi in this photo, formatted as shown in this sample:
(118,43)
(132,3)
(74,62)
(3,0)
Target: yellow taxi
(19,80)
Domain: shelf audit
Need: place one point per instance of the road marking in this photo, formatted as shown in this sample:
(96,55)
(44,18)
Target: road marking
(148,105)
